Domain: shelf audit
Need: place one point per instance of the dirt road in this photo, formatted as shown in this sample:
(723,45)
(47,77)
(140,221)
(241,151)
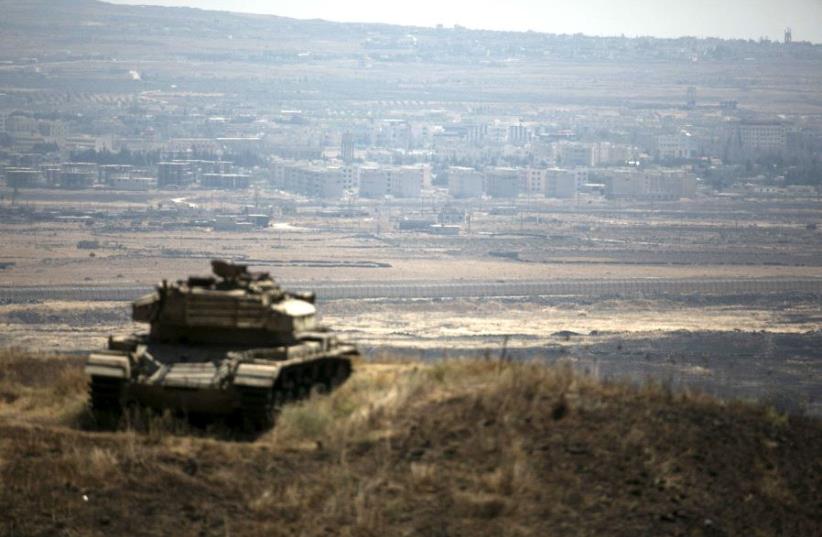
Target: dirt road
(430,289)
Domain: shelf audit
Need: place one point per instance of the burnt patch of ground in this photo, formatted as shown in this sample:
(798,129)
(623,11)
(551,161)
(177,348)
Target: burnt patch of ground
(783,369)
(456,448)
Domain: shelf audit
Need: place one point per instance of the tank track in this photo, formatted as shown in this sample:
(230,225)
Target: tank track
(258,406)
(106,399)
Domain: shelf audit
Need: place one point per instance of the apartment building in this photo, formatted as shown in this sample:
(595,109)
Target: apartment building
(675,146)
(465,182)
(769,137)
(397,181)
(318,181)
(571,154)
(661,184)
(502,182)
(226,181)
(562,183)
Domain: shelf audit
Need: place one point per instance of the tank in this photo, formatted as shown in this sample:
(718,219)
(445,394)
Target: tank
(232,345)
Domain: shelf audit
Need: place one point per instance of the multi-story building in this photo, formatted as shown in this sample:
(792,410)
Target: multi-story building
(397,181)
(23,177)
(502,182)
(393,133)
(519,134)
(660,184)
(132,183)
(174,174)
(562,183)
(26,143)
(78,175)
(347,147)
(87,143)
(317,181)
(20,124)
(374,182)
(608,153)
(748,139)
(226,181)
(108,172)
(475,134)
(465,182)
(532,180)
(408,181)
(762,136)
(571,154)
(675,146)
(349,178)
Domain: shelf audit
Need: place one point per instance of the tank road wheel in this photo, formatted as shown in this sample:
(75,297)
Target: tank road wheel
(280,394)
(287,387)
(341,371)
(257,408)
(322,382)
(279,398)
(106,400)
(305,382)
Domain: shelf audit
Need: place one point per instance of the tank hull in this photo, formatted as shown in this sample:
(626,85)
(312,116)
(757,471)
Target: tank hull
(213,383)
(208,401)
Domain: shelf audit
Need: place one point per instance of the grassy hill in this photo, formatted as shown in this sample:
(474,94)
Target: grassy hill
(454,448)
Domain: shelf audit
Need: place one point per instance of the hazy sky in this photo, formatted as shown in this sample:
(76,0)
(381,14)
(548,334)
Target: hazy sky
(665,18)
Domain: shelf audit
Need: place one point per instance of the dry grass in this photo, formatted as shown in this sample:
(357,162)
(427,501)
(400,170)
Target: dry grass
(41,388)
(460,447)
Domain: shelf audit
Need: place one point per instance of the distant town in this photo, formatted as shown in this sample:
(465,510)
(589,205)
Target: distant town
(312,146)
(417,151)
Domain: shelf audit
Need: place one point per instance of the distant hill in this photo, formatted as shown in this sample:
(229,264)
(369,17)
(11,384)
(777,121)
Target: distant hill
(82,48)
(93,26)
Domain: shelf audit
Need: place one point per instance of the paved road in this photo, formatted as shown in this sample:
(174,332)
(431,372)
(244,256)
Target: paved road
(376,290)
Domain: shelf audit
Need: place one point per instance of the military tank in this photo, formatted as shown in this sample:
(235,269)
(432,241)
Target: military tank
(231,345)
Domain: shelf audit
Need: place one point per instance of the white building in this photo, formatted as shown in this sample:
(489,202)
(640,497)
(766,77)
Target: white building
(502,182)
(660,184)
(749,139)
(465,182)
(572,154)
(397,181)
(317,181)
(374,182)
(123,182)
(768,137)
(519,134)
(608,153)
(532,180)
(563,183)
(675,146)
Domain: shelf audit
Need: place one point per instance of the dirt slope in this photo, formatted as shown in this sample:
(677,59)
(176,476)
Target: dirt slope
(456,449)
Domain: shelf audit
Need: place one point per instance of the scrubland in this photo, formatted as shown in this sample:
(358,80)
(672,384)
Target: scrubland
(458,447)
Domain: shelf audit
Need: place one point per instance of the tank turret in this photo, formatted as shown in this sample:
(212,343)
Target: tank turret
(233,306)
